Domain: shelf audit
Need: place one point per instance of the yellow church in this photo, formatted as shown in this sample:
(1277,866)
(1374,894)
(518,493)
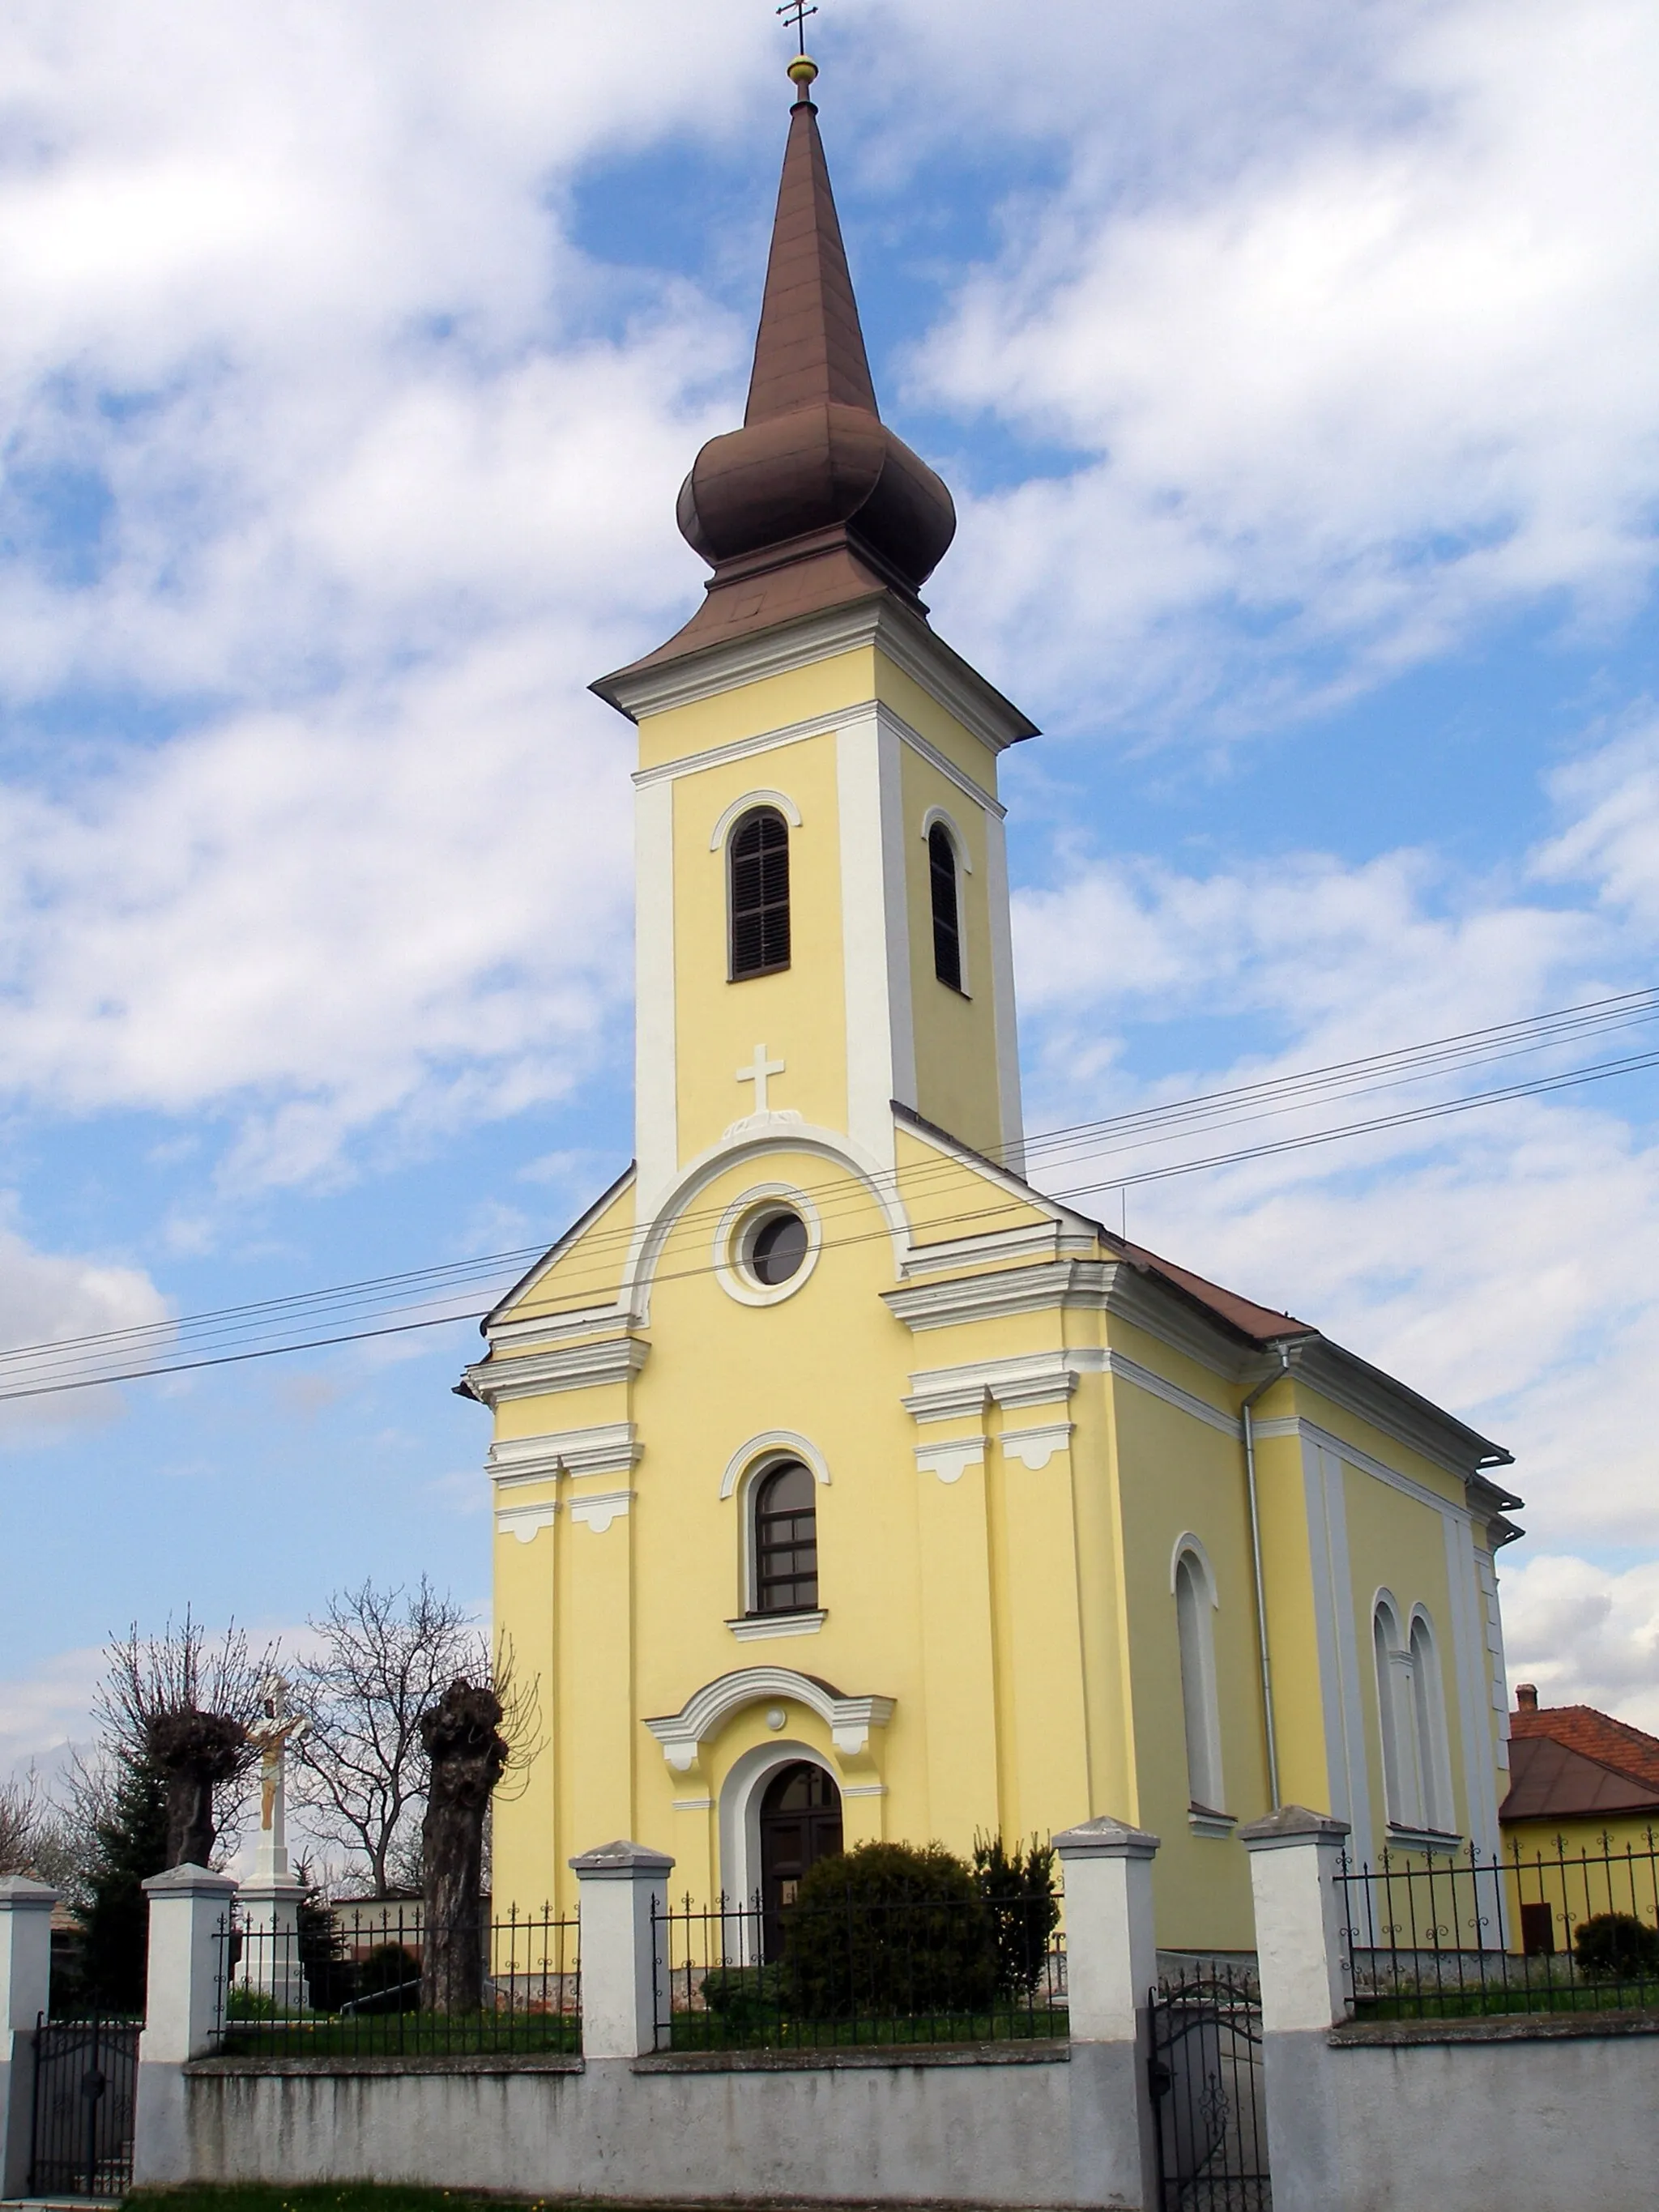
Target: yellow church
(845,1485)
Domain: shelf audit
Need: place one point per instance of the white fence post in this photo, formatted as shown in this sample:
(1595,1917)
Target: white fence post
(1111,1964)
(24,1996)
(1302,1955)
(624,1987)
(190,1911)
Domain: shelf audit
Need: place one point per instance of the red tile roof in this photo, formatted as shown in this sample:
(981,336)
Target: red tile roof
(1572,1760)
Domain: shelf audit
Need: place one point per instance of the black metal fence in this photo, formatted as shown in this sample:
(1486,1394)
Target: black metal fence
(1207,2092)
(353,1983)
(86,2072)
(922,1970)
(1439,1936)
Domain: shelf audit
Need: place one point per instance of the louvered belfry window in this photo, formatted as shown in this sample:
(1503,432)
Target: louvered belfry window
(947,919)
(759,894)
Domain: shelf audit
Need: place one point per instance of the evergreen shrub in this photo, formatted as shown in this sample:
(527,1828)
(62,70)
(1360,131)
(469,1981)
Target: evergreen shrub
(889,1931)
(1019,1886)
(389,1980)
(1616,1946)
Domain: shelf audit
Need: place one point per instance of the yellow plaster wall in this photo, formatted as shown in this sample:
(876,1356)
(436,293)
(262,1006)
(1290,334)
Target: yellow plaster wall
(753,710)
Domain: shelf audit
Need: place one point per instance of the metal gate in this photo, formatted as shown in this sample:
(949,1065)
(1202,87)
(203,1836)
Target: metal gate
(85,2075)
(1208,2093)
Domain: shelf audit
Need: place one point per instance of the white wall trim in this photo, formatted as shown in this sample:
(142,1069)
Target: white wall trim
(598,1512)
(496,1382)
(740,749)
(739,1873)
(772,1444)
(1004,1007)
(609,1448)
(746,804)
(742,1288)
(950,1457)
(1034,1378)
(1125,1369)
(760,1627)
(706,1711)
(875,945)
(936,817)
(525,1521)
(1470,1666)
(656,1131)
(1290,1424)
(1188,1544)
(1034,1448)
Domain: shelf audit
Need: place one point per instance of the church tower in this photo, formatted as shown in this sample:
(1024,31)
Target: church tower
(846,1486)
(823,896)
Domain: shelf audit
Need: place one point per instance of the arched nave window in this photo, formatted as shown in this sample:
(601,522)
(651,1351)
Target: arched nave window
(786,1540)
(1429,1709)
(947,906)
(759,869)
(1412,1713)
(1195,1601)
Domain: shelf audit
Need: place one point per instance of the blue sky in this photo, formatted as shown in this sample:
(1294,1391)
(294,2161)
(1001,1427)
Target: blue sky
(1292,369)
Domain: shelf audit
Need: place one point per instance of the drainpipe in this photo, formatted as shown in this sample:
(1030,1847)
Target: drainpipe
(1245,1416)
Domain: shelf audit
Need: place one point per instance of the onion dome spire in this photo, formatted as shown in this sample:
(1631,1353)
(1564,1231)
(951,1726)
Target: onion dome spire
(814,503)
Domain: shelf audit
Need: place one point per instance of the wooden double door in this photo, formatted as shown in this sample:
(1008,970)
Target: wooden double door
(799,1824)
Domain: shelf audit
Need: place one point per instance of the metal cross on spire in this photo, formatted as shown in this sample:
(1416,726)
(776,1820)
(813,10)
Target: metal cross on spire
(794,14)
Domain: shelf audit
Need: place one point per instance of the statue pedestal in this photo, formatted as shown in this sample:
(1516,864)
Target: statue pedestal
(268,1915)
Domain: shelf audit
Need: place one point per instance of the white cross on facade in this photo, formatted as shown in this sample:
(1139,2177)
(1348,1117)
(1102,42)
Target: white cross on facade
(760,1074)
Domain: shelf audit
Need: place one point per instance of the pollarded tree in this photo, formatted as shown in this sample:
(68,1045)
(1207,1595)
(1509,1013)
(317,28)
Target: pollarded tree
(476,1732)
(185,1707)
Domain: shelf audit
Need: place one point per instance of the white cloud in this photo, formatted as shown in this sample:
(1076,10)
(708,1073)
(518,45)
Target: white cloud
(1383,373)
(45,1712)
(49,1297)
(1585,1634)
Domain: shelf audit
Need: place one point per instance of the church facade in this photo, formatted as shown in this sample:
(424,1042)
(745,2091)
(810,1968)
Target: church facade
(845,1485)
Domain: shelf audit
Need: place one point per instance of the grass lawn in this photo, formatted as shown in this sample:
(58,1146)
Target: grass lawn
(1505,2003)
(708,2030)
(328,2035)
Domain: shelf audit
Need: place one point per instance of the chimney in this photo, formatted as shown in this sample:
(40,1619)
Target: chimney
(1526,1697)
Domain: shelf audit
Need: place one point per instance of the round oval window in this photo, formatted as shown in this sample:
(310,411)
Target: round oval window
(777,1247)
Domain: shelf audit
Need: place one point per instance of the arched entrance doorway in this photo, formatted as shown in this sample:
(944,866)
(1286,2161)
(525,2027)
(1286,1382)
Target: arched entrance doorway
(799,1824)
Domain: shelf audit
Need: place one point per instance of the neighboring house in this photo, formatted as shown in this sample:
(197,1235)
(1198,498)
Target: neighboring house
(1581,1817)
(847,1486)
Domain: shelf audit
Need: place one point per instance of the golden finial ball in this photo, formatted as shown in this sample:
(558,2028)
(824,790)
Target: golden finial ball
(803,70)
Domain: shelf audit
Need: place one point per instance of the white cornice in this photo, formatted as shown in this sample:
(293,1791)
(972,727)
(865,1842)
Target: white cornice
(1032,1378)
(996,1296)
(525,1522)
(1125,1369)
(542,1329)
(950,1457)
(1035,1447)
(1389,1406)
(1032,1240)
(906,640)
(1297,1424)
(609,1448)
(495,1381)
(598,1511)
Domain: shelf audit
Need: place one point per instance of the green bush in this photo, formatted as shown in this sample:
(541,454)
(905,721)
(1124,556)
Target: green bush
(743,1997)
(244,2003)
(1616,1946)
(389,1980)
(889,1930)
(1019,1886)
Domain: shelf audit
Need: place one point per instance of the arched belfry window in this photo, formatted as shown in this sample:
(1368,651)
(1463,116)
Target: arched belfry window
(786,1540)
(947,906)
(759,894)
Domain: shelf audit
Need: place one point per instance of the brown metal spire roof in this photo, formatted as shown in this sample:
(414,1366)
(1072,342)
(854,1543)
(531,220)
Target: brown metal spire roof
(814,503)
(811,347)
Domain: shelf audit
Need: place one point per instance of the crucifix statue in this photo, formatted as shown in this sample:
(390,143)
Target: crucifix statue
(278,1730)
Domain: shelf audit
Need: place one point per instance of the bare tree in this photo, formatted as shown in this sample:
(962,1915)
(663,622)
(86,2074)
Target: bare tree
(20,1822)
(187,1705)
(385,1658)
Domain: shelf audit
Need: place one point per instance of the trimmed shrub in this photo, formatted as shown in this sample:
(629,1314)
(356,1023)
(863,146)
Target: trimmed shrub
(743,1997)
(389,1980)
(1616,1946)
(889,1931)
(1019,1886)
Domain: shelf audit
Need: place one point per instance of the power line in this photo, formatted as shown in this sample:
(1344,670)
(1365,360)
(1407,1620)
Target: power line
(1410,1116)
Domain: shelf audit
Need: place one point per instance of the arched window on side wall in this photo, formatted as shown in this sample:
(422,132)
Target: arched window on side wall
(947,906)
(758,870)
(1429,1711)
(1396,1719)
(1194,1597)
(784,1543)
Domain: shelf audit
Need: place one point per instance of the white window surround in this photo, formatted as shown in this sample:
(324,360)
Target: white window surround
(935,818)
(745,1468)
(1192,1584)
(756,1628)
(729,1272)
(747,804)
(1433,1752)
